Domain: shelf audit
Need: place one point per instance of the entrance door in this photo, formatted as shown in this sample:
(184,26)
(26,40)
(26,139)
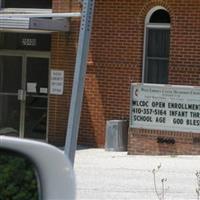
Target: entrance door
(36,97)
(24,95)
(10,82)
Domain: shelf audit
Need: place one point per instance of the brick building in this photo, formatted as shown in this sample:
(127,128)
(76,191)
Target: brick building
(151,41)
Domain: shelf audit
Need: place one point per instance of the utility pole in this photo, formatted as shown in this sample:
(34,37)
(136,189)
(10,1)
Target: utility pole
(79,79)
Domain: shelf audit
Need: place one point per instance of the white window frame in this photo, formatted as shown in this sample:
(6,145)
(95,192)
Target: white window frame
(147,25)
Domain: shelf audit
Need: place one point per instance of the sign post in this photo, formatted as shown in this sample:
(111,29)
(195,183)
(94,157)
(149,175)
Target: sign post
(79,78)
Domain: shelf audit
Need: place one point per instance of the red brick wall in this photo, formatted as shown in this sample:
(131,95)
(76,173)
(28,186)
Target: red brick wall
(185,43)
(63,55)
(115,61)
(184,69)
(145,142)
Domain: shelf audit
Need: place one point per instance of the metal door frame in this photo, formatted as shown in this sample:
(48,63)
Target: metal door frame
(25,55)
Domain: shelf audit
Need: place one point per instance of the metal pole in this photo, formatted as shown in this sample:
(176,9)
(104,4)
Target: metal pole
(79,77)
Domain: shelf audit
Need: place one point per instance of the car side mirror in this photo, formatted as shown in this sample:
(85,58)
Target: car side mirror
(50,167)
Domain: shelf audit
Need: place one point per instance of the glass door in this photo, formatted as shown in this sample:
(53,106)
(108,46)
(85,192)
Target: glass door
(10,85)
(23,95)
(36,97)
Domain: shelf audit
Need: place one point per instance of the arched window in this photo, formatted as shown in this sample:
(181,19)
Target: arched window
(156,46)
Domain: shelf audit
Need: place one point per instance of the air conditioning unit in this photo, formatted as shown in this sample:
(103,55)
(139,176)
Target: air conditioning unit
(116,135)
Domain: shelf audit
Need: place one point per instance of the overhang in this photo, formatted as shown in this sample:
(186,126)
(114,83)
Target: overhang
(37,21)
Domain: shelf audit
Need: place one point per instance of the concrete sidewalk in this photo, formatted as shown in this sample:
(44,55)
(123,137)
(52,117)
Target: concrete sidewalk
(116,175)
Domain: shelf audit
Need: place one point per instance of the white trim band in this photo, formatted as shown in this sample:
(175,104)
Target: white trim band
(45,15)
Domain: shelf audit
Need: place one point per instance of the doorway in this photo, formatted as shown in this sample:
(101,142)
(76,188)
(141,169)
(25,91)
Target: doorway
(24,94)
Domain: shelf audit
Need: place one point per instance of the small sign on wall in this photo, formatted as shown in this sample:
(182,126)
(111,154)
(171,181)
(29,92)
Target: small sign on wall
(57,82)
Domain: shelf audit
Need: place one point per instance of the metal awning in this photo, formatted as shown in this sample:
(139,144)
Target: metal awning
(43,22)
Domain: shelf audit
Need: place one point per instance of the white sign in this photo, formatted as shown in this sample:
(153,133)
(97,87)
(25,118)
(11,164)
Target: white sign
(57,82)
(165,107)
(43,90)
(31,87)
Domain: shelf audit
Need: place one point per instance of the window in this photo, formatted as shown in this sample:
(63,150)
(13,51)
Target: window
(43,4)
(156,46)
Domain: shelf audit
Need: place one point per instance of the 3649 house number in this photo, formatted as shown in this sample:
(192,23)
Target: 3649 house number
(29,42)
